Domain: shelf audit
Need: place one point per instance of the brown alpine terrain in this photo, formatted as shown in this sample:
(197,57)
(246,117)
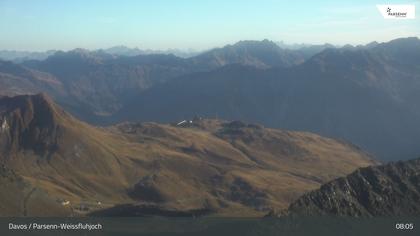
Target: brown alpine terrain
(54,164)
(20,198)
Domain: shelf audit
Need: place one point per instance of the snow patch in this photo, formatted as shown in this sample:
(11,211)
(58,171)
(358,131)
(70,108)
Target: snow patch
(4,126)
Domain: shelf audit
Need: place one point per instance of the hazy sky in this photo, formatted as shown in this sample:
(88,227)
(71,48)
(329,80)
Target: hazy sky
(162,24)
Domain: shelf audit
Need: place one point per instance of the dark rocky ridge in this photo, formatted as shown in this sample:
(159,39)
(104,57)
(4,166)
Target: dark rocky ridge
(387,190)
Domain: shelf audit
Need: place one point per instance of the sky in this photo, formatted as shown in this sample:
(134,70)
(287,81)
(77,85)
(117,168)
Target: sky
(39,25)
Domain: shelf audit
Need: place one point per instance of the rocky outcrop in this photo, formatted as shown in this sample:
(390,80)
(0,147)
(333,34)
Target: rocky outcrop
(28,122)
(387,190)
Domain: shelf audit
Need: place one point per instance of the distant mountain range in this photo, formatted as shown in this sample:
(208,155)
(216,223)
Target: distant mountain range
(21,56)
(120,50)
(126,51)
(55,165)
(365,94)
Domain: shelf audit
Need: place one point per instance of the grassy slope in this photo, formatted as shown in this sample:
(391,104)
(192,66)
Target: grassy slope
(20,198)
